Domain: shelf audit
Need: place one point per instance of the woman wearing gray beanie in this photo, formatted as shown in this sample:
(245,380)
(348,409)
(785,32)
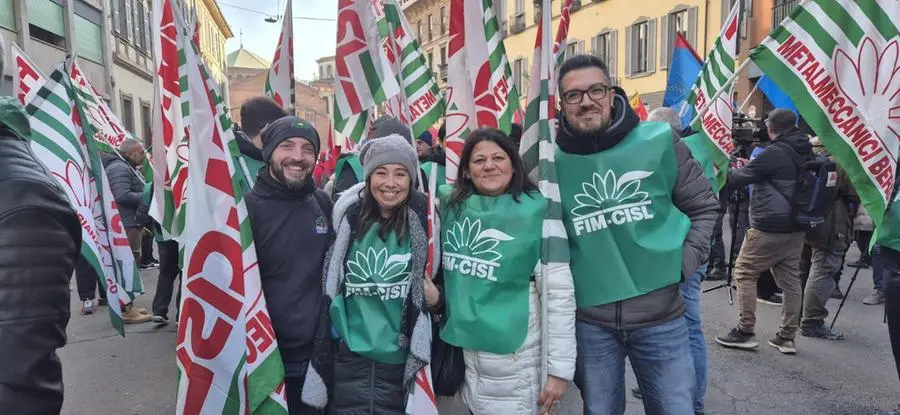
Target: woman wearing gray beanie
(374,333)
(515,323)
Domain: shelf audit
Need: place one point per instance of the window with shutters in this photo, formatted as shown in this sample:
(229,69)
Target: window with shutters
(601,46)
(683,22)
(640,54)
(430,37)
(520,77)
(45,22)
(140,28)
(128,113)
(148,45)
(443,20)
(7,14)
(88,40)
(520,7)
(419,31)
(145,123)
(640,47)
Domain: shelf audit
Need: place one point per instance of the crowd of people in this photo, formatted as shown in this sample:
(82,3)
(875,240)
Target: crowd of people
(357,313)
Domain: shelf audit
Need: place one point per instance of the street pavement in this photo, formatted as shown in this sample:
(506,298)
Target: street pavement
(107,374)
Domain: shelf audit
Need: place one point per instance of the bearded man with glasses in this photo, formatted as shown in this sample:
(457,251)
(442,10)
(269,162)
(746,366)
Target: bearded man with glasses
(639,214)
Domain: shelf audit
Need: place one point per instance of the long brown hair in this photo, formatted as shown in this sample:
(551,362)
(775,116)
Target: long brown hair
(370,213)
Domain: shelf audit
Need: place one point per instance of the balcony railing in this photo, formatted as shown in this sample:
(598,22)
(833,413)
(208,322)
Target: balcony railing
(782,10)
(442,68)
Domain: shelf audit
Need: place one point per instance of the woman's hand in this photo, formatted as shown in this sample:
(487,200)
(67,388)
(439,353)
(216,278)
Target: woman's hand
(432,295)
(553,392)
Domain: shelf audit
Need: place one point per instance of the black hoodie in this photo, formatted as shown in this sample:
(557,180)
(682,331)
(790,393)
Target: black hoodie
(691,194)
(292,232)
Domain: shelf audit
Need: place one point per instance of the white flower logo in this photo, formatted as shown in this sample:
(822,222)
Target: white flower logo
(872,83)
(607,191)
(377,266)
(468,235)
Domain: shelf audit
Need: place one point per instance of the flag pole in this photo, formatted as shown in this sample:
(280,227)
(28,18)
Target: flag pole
(720,91)
(746,100)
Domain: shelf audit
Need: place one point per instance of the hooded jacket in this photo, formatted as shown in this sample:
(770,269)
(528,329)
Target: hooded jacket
(40,240)
(248,162)
(292,233)
(692,195)
(773,175)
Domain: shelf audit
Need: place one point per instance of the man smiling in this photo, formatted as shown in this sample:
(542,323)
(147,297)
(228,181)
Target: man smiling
(290,220)
(639,214)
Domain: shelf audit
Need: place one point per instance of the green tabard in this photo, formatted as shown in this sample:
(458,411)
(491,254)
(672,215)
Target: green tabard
(490,248)
(369,310)
(625,234)
(431,168)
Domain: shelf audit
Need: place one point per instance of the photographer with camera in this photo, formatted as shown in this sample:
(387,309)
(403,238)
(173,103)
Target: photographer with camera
(774,240)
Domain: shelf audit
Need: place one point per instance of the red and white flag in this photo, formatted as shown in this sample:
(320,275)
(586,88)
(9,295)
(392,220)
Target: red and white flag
(280,81)
(28,78)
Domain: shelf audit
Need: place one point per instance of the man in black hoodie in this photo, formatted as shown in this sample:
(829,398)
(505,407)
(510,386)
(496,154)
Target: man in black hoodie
(774,241)
(292,231)
(639,215)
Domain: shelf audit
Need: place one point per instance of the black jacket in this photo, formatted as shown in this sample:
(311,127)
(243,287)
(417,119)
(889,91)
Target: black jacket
(128,190)
(773,175)
(292,232)
(40,238)
(692,195)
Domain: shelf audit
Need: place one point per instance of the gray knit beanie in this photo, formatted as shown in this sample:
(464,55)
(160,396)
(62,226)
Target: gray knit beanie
(388,125)
(393,149)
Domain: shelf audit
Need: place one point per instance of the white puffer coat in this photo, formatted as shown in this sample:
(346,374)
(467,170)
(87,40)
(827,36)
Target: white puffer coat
(511,383)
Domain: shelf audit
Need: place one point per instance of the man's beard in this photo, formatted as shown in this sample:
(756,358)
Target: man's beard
(590,130)
(293,184)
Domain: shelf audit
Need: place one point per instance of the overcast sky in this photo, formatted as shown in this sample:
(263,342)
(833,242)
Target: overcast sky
(313,39)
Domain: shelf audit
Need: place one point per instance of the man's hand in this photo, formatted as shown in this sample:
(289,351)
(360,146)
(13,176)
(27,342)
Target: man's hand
(552,393)
(740,162)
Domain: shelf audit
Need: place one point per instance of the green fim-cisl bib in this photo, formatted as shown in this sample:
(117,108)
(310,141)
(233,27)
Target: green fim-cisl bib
(368,312)
(490,248)
(625,234)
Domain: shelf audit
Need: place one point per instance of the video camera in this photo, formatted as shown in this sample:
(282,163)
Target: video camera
(747,130)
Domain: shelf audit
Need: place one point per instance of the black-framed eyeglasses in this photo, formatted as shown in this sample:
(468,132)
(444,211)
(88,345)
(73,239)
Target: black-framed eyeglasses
(595,92)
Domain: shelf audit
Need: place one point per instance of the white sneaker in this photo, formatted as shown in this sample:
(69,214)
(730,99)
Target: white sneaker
(87,307)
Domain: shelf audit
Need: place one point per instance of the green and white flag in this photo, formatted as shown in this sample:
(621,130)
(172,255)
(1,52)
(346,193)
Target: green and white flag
(419,104)
(59,141)
(479,91)
(839,61)
(715,124)
(533,127)
(363,76)
(237,369)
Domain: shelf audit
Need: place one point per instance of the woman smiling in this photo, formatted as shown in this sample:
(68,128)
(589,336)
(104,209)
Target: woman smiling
(491,238)
(373,333)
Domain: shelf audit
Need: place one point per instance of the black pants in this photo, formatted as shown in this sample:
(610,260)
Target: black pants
(294,377)
(168,272)
(863,238)
(717,251)
(147,249)
(86,280)
(891,283)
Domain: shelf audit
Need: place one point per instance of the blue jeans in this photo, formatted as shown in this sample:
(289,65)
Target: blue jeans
(660,356)
(690,291)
